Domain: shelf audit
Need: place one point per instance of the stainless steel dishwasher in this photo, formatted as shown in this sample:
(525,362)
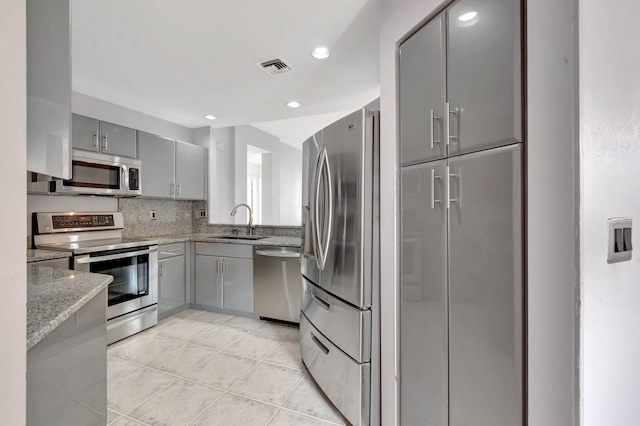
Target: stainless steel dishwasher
(276,283)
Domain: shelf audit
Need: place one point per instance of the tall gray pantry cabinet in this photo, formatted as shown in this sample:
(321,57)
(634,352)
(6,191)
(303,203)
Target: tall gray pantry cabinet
(462,277)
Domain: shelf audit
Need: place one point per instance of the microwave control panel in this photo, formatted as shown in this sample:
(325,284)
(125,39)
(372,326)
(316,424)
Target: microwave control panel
(82,221)
(134,181)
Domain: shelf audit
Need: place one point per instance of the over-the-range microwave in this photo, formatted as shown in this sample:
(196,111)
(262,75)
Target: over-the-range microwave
(95,174)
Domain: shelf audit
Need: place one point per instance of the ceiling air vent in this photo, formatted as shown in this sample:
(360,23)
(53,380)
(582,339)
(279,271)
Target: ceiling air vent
(274,66)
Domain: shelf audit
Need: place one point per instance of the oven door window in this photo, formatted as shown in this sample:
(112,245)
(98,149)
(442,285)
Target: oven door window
(92,175)
(130,277)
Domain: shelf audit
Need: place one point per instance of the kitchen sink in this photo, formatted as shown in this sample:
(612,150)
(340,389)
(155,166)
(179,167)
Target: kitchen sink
(241,237)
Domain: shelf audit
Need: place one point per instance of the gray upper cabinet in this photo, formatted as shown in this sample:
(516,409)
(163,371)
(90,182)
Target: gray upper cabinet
(157,156)
(191,163)
(49,87)
(90,134)
(484,75)
(474,100)
(172,169)
(85,132)
(117,140)
(422,100)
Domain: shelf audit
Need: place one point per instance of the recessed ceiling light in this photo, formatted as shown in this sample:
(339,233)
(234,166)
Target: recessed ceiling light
(320,53)
(293,104)
(466,17)
(210,117)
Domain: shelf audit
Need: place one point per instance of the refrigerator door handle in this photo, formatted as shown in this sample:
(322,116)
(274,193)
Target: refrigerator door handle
(327,234)
(318,343)
(324,305)
(315,219)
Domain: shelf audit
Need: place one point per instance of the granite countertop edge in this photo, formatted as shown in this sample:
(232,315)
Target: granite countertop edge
(213,238)
(44,315)
(38,255)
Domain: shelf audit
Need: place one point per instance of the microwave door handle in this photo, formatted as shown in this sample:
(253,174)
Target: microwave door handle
(125,178)
(87,259)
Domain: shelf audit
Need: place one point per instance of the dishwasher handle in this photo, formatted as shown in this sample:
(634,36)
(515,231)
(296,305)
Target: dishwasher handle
(274,253)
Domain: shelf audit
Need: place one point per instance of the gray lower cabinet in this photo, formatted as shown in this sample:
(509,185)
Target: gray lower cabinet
(172,279)
(67,370)
(208,281)
(461,290)
(90,134)
(224,276)
(172,169)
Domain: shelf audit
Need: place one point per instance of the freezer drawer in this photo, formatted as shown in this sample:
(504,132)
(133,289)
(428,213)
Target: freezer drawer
(345,382)
(347,327)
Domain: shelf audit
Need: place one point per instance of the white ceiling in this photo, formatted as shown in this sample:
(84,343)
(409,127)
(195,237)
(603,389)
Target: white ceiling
(179,60)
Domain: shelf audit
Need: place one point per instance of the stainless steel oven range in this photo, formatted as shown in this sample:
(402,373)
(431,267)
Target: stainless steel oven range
(96,243)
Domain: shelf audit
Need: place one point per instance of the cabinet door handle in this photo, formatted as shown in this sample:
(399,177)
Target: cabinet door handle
(224,267)
(456,114)
(432,121)
(458,177)
(171,188)
(179,189)
(160,270)
(95,140)
(433,189)
(105,142)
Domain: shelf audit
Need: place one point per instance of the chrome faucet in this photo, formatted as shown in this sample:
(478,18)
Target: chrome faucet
(235,210)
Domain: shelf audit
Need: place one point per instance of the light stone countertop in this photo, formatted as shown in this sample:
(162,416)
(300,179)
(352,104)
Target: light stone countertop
(53,295)
(38,255)
(214,238)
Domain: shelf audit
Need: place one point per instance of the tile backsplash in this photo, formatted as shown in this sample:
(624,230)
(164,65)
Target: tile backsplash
(172,217)
(183,217)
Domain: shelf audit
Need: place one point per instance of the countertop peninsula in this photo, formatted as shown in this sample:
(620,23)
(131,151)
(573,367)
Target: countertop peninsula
(53,295)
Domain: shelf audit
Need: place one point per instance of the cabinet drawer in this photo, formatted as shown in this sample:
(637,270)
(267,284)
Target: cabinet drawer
(347,327)
(226,250)
(345,382)
(170,250)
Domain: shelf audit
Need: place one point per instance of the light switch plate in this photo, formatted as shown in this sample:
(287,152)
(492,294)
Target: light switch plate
(618,223)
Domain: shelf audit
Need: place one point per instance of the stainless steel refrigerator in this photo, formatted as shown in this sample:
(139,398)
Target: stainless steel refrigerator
(339,321)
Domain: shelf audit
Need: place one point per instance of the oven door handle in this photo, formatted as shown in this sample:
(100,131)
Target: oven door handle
(88,259)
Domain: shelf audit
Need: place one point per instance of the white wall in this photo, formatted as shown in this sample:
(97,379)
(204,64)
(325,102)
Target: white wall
(13,161)
(222,177)
(553,196)
(610,155)
(97,108)
(552,205)
(281,187)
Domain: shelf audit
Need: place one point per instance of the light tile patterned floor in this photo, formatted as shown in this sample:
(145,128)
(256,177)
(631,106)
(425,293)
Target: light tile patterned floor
(207,368)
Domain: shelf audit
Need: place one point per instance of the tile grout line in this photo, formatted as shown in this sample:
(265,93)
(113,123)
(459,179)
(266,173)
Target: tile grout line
(280,338)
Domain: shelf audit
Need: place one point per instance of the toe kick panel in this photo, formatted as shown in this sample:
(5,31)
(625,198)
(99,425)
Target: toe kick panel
(345,382)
